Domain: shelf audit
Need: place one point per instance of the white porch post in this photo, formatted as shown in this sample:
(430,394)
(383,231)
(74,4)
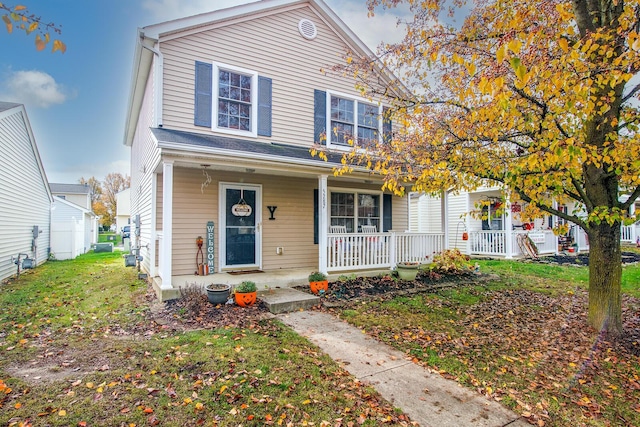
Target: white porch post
(508,225)
(632,213)
(167,222)
(467,226)
(153,268)
(554,205)
(444,217)
(323,222)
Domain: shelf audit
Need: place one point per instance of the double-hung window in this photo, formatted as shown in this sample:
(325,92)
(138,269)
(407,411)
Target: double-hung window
(353,210)
(235,106)
(352,121)
(234,100)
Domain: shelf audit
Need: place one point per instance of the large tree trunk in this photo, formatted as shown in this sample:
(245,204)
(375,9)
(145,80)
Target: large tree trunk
(605,274)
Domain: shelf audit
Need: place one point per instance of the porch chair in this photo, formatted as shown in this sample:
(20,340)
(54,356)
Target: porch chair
(368,229)
(337,229)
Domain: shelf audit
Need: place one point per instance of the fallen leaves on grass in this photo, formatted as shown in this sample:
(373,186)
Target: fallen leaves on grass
(532,349)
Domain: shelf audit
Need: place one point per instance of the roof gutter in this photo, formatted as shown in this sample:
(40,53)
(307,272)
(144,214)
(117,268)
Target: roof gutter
(142,60)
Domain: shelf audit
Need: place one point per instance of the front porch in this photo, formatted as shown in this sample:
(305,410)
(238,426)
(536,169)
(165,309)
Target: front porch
(266,281)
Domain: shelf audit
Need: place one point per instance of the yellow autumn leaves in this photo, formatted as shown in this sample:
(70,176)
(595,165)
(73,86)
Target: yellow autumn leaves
(19,17)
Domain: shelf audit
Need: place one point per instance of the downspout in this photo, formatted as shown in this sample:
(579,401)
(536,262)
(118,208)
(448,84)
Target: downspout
(157,81)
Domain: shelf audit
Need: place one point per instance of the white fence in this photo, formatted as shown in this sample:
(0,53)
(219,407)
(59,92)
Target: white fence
(355,251)
(489,242)
(67,239)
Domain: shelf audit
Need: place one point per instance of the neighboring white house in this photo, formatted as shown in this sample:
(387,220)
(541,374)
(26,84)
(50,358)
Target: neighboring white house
(73,229)
(123,209)
(74,226)
(79,194)
(25,198)
(221,118)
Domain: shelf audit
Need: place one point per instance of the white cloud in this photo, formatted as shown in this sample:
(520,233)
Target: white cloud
(34,88)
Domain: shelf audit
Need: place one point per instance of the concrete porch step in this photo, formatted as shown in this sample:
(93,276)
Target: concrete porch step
(286,300)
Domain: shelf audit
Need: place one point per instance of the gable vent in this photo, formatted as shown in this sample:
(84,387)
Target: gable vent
(307,29)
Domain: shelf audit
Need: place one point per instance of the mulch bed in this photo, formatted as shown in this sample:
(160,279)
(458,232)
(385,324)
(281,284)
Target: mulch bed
(362,288)
(583,259)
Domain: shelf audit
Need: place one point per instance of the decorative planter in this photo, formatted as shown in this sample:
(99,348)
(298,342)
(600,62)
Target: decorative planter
(245,299)
(218,293)
(407,270)
(320,286)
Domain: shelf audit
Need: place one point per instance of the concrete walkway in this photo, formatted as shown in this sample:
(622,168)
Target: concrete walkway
(426,397)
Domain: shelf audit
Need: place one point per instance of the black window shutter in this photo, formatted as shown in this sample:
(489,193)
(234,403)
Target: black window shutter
(203,83)
(264,106)
(315,217)
(319,116)
(387,222)
(386,125)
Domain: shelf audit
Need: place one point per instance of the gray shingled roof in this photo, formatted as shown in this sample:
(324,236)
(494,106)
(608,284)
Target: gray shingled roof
(8,105)
(69,188)
(234,144)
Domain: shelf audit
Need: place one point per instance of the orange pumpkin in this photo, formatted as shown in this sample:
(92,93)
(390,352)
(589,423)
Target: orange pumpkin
(316,287)
(245,299)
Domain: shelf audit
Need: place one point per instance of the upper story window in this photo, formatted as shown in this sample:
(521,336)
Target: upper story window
(235,108)
(232,100)
(353,120)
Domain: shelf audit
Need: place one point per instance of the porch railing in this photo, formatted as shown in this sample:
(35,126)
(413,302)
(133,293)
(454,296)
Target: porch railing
(354,251)
(626,233)
(488,242)
(493,242)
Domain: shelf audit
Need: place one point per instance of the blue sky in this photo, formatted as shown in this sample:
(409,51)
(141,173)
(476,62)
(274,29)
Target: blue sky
(76,101)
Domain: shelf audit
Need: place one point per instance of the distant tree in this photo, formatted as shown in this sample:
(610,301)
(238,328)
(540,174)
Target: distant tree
(95,188)
(111,186)
(19,17)
(101,210)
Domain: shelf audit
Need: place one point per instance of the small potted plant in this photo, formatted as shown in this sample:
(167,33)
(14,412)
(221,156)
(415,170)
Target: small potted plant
(245,293)
(318,282)
(218,293)
(407,270)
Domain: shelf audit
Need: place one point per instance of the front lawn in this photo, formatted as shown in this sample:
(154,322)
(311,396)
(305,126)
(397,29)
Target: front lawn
(82,343)
(520,339)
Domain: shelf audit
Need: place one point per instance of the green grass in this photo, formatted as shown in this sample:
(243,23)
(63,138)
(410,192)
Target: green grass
(521,338)
(108,236)
(76,347)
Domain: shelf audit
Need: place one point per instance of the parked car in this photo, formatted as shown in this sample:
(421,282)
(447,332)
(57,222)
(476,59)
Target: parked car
(126,232)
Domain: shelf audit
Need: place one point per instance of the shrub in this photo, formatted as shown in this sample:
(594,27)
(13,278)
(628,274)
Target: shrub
(246,286)
(451,261)
(192,298)
(317,276)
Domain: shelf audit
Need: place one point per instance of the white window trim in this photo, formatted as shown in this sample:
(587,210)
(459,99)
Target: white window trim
(356,192)
(254,100)
(356,99)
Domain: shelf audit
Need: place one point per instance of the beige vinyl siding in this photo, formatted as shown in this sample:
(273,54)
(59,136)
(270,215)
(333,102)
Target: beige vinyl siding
(292,229)
(144,157)
(24,198)
(81,200)
(271,46)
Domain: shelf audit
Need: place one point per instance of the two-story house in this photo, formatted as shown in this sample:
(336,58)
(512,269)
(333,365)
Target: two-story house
(223,110)
(25,198)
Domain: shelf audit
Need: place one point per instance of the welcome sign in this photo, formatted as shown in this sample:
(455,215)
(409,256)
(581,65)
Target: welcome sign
(210,248)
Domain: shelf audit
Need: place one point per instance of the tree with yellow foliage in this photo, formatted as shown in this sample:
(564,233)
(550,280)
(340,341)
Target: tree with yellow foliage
(20,18)
(539,97)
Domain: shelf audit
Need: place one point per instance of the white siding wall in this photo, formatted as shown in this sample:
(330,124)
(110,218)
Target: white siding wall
(24,199)
(456,209)
(144,158)
(271,46)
